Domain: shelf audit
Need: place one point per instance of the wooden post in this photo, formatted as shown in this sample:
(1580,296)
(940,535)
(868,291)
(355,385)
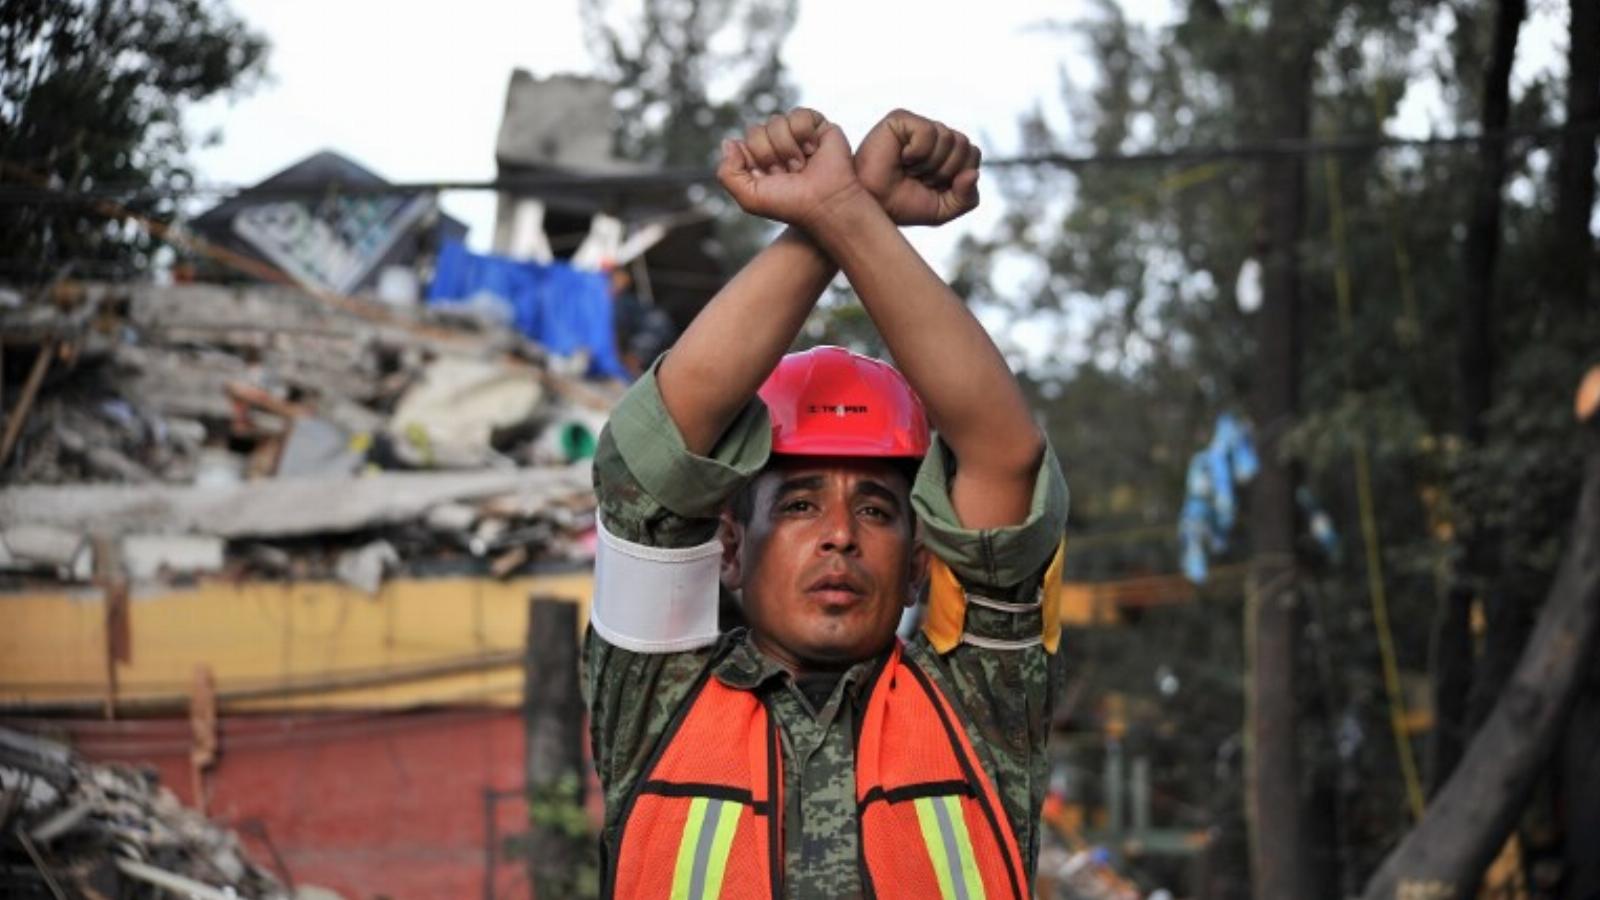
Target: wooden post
(552,714)
(30,390)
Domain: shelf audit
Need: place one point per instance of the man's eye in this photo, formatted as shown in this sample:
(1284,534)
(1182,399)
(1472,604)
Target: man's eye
(877,512)
(798,506)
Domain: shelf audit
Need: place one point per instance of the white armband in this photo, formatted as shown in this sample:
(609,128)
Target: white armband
(655,599)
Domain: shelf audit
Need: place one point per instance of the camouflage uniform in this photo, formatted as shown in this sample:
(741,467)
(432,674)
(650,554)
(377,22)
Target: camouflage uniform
(653,491)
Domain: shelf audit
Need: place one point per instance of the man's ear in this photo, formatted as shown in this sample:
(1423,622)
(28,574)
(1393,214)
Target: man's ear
(917,576)
(731,534)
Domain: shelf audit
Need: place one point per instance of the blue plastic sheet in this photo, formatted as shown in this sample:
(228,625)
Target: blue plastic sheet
(1210,505)
(1210,502)
(565,310)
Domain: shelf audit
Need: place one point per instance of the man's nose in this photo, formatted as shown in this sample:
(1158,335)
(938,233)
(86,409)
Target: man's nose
(839,530)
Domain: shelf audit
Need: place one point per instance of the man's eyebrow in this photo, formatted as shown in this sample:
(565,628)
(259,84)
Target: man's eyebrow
(798,483)
(879,490)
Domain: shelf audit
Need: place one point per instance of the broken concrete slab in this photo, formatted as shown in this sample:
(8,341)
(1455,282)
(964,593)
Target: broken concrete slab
(148,556)
(282,507)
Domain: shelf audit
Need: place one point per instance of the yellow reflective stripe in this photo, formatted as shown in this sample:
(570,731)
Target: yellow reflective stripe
(934,841)
(969,862)
(721,845)
(944,833)
(683,872)
(703,850)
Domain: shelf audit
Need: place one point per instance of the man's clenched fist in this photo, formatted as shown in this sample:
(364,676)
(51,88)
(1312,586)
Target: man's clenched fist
(790,168)
(922,172)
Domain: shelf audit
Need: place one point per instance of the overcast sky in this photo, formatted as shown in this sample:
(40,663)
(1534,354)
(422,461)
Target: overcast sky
(415,91)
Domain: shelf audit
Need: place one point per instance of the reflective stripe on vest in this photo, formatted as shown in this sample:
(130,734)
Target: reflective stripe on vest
(703,852)
(944,832)
(705,821)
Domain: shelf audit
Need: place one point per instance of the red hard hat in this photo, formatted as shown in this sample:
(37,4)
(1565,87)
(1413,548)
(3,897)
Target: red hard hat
(827,401)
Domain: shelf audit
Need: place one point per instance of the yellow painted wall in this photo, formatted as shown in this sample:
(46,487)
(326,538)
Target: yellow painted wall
(316,637)
(262,636)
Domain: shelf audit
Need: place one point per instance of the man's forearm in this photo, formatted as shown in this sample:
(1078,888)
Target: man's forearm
(734,343)
(945,353)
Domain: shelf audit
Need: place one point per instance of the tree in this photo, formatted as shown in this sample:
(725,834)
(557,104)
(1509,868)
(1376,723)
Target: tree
(1445,855)
(1136,264)
(1452,639)
(1280,859)
(691,72)
(92,94)
(1577,265)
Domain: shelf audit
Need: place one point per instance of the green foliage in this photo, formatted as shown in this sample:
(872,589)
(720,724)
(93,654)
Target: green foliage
(559,834)
(92,94)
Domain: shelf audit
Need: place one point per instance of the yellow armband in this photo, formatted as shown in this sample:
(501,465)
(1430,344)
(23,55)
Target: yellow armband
(946,620)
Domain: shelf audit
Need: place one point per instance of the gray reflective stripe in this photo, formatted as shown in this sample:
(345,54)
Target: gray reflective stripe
(1005,605)
(702,846)
(998,644)
(952,850)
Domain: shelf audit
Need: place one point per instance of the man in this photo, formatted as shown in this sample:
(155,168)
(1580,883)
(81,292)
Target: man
(813,755)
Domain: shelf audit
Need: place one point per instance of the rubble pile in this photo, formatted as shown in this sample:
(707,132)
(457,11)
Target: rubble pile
(264,432)
(69,828)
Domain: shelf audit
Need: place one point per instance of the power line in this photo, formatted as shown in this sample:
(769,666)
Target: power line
(1327,146)
(617,185)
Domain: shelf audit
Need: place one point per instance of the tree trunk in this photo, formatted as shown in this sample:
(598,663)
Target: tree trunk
(1576,265)
(1575,183)
(1279,858)
(552,714)
(1580,792)
(1477,571)
(1444,856)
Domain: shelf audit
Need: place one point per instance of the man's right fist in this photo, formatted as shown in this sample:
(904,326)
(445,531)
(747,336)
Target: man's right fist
(922,172)
(790,168)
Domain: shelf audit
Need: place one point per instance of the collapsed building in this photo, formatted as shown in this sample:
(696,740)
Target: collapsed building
(270,531)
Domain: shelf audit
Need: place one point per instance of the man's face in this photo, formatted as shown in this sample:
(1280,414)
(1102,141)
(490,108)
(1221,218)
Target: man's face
(827,560)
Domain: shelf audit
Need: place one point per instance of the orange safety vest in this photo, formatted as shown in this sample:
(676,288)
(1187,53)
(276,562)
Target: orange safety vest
(706,819)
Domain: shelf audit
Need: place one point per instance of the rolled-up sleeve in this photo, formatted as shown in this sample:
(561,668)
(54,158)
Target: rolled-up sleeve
(989,642)
(993,557)
(664,501)
(652,490)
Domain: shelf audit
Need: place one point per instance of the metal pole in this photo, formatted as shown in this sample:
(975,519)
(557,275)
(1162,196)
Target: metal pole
(491,843)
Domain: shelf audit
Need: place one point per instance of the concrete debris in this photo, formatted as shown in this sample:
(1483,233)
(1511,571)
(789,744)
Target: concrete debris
(69,827)
(259,430)
(364,567)
(63,551)
(451,415)
(149,556)
(319,447)
(283,507)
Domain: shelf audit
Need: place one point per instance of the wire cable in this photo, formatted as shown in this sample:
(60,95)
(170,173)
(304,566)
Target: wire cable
(1368,514)
(580,184)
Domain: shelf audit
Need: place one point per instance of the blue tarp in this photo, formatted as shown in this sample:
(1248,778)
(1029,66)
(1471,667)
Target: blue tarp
(565,310)
(1209,506)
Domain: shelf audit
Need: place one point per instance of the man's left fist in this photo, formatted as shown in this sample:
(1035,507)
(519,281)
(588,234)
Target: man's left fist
(921,171)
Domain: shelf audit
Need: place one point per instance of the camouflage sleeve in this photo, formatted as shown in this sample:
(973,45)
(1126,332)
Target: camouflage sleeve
(653,491)
(1008,695)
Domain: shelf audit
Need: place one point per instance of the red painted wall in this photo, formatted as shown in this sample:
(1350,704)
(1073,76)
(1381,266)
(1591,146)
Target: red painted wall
(368,804)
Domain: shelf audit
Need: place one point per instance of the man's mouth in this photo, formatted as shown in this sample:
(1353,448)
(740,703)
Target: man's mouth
(835,589)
